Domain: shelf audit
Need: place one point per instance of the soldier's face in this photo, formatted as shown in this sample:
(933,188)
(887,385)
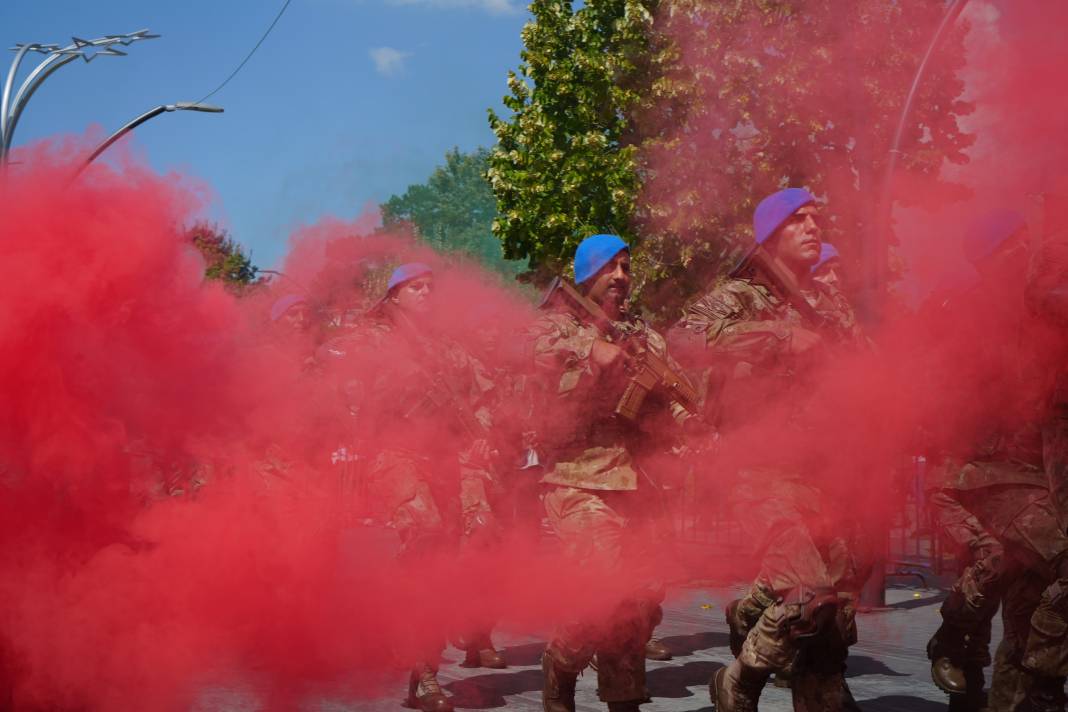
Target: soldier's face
(610,287)
(827,273)
(297,317)
(799,239)
(413,296)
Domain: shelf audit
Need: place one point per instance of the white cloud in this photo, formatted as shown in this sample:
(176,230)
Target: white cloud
(493,7)
(389,62)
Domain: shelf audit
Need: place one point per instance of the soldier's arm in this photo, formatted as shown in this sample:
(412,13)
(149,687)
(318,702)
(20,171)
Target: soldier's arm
(731,329)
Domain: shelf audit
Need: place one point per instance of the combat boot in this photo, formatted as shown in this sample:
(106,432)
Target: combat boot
(424,692)
(557,687)
(736,688)
(946,650)
(656,650)
(973,699)
(479,652)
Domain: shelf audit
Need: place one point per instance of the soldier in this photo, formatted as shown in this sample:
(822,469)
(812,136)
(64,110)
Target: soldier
(431,471)
(595,493)
(762,333)
(826,268)
(995,498)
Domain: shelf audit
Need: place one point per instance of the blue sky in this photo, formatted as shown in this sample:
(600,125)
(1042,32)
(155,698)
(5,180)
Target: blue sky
(346,103)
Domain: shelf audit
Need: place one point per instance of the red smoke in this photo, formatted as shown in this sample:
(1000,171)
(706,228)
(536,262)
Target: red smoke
(171,515)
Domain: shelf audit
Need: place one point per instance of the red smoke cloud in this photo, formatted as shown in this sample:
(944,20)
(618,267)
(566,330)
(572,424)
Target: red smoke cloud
(127,378)
(171,515)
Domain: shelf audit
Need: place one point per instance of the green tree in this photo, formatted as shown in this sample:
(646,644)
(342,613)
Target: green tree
(669,132)
(225,260)
(768,93)
(454,210)
(563,167)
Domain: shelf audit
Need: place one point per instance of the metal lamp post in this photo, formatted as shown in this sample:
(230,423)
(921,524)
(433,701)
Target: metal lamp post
(151,113)
(12,103)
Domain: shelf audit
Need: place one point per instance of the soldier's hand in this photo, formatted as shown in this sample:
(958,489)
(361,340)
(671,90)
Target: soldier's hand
(803,341)
(607,355)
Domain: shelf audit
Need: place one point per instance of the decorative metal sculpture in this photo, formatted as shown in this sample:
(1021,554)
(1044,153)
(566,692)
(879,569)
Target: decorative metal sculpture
(55,57)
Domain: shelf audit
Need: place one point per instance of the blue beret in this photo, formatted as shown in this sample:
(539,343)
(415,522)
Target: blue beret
(284,304)
(595,252)
(406,273)
(827,252)
(775,209)
(990,231)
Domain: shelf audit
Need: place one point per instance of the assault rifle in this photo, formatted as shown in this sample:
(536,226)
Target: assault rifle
(783,283)
(648,370)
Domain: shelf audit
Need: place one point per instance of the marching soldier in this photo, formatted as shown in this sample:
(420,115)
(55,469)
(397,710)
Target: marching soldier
(995,497)
(422,401)
(764,331)
(591,358)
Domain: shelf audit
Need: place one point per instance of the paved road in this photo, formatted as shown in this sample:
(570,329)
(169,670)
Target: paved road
(888,670)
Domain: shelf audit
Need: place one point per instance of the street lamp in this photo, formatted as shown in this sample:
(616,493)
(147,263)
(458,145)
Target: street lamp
(877,267)
(151,113)
(11,106)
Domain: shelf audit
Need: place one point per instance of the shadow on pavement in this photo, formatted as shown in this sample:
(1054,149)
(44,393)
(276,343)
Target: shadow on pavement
(683,645)
(909,603)
(672,680)
(901,703)
(487,691)
(858,665)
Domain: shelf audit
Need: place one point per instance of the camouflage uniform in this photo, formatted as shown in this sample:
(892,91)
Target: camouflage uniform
(999,505)
(597,498)
(744,330)
(420,412)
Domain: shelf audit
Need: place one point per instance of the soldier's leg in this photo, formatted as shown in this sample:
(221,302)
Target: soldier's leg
(621,656)
(655,648)
(1046,652)
(401,488)
(1030,524)
(766,649)
(972,602)
(591,532)
(1009,681)
(481,530)
(770,512)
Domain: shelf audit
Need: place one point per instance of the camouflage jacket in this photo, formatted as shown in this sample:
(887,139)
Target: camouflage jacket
(587,445)
(739,336)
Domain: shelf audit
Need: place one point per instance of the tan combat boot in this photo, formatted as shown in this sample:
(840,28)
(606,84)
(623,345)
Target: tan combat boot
(424,692)
(479,652)
(656,650)
(735,688)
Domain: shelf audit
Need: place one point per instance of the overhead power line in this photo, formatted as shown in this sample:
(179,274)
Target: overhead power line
(249,55)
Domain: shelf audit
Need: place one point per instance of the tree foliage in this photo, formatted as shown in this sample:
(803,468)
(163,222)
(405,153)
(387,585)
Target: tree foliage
(225,260)
(669,132)
(769,93)
(563,167)
(454,210)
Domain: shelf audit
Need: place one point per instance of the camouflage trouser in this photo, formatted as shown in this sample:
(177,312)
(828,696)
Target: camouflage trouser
(1020,597)
(802,561)
(596,529)
(1020,557)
